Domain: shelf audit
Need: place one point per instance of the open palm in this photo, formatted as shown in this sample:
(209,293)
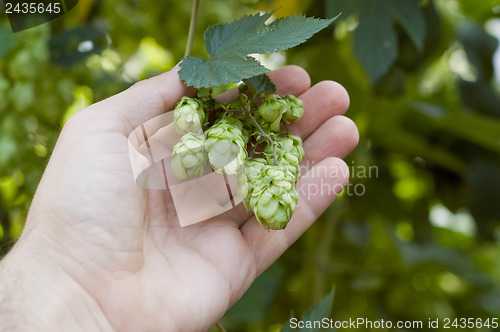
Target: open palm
(122,246)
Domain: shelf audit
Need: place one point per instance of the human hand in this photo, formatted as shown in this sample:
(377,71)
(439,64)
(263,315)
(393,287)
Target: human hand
(98,252)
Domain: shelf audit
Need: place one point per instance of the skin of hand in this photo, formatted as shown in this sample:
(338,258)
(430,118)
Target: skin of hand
(99,253)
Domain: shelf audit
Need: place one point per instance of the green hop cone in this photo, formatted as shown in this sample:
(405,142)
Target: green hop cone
(226,147)
(188,116)
(253,167)
(242,103)
(274,198)
(248,126)
(189,157)
(239,122)
(267,127)
(272,108)
(289,152)
(248,177)
(295,108)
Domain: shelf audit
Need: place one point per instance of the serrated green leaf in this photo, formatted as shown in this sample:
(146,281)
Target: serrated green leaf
(234,38)
(260,83)
(201,73)
(250,34)
(287,32)
(230,44)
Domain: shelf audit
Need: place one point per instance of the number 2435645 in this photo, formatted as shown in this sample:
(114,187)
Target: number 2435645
(32,8)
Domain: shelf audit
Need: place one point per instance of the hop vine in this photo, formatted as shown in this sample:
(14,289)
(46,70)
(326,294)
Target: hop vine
(249,139)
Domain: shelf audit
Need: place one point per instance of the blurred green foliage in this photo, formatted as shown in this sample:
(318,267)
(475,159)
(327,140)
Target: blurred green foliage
(415,235)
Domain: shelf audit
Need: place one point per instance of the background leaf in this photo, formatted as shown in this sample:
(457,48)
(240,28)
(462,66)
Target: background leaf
(409,15)
(320,310)
(374,40)
(6,39)
(76,44)
(255,304)
(316,312)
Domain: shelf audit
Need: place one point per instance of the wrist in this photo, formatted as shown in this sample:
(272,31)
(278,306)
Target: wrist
(37,293)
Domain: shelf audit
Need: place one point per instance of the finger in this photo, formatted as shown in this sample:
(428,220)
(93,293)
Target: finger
(146,99)
(337,137)
(291,79)
(321,102)
(317,189)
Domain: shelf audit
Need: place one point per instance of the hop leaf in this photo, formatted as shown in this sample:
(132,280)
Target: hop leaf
(260,83)
(229,46)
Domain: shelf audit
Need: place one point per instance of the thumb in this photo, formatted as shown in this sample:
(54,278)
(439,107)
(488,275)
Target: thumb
(148,98)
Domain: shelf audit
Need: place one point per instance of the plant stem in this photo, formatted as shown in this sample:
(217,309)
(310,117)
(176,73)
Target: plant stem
(253,151)
(274,154)
(271,141)
(286,126)
(224,115)
(192,25)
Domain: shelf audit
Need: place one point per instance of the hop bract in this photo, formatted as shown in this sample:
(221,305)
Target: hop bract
(189,157)
(274,198)
(289,152)
(272,108)
(266,126)
(295,108)
(242,125)
(226,147)
(188,116)
(247,180)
